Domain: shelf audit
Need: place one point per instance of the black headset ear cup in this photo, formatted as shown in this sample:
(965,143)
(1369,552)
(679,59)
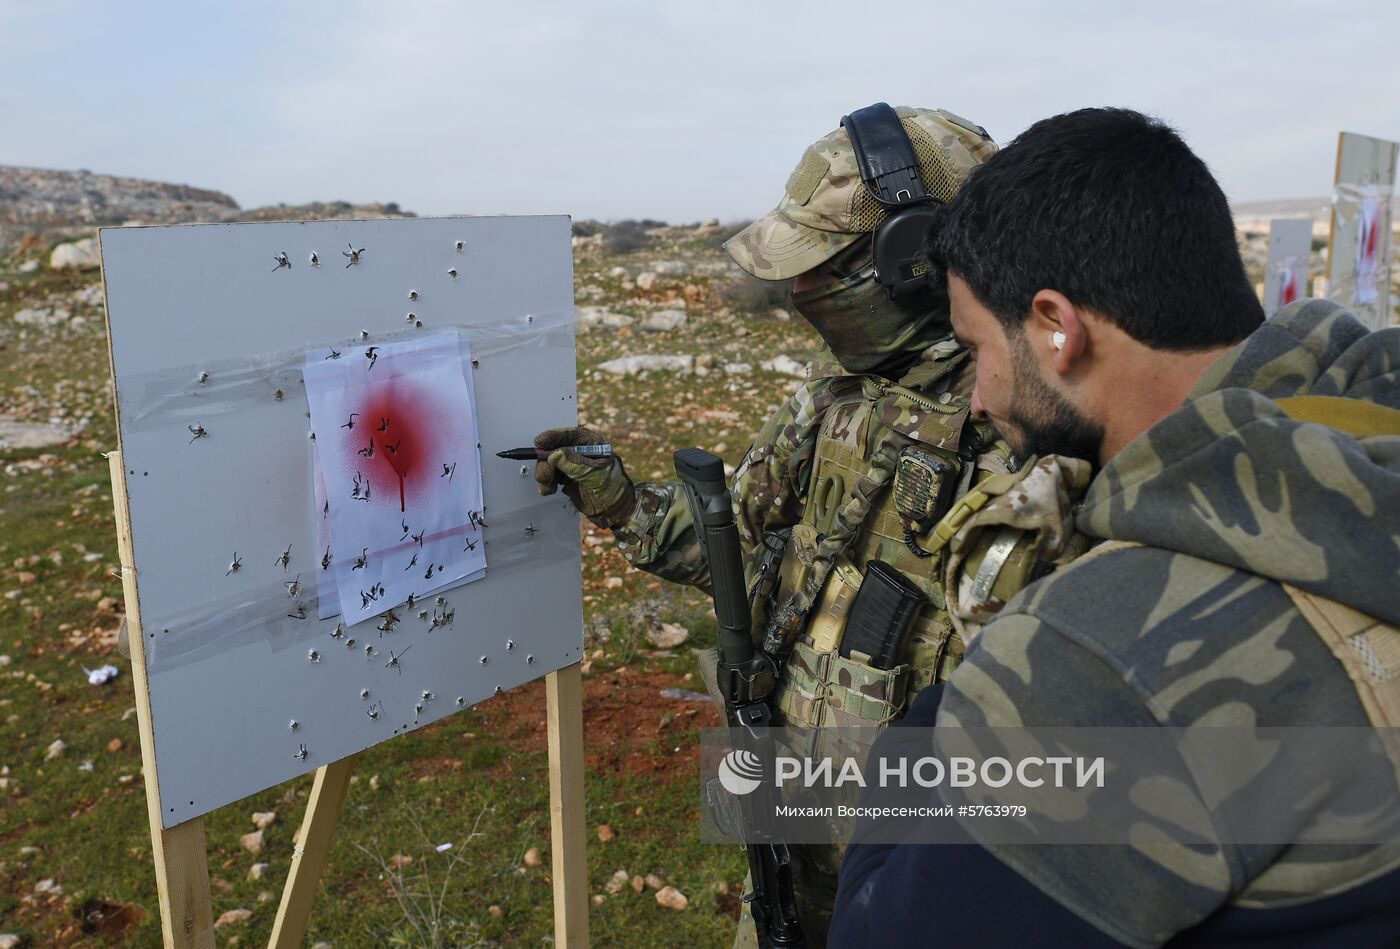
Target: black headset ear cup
(899,249)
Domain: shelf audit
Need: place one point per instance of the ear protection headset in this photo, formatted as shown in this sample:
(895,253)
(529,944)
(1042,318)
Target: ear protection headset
(890,170)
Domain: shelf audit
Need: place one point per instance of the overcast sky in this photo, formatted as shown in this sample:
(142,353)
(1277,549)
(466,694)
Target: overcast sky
(671,109)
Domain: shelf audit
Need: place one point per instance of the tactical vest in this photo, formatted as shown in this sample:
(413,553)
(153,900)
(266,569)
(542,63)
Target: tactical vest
(820,687)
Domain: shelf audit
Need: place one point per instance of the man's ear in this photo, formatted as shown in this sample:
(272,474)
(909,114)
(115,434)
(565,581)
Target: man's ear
(1056,332)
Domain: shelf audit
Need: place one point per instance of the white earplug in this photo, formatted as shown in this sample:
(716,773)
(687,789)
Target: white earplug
(1057,339)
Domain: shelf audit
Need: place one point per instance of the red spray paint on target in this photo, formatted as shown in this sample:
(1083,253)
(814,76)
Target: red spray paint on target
(395,442)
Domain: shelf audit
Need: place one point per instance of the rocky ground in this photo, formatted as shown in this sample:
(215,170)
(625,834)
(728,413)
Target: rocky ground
(40,206)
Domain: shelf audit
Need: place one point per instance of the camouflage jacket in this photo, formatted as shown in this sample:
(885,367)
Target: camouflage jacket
(1228,498)
(771,484)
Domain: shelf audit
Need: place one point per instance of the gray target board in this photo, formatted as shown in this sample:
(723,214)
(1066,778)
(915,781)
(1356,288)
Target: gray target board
(210,326)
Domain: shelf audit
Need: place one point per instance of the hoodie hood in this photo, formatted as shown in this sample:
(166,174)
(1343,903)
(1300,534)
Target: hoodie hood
(1230,478)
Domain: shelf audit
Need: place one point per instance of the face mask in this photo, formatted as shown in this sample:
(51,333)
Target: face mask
(866,330)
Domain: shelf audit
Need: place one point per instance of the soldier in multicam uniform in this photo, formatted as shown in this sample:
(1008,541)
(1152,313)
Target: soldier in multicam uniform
(858,465)
(1247,501)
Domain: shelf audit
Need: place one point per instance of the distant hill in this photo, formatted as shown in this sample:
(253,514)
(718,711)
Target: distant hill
(42,205)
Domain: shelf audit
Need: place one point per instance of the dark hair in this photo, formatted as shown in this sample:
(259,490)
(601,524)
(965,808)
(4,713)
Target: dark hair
(1112,209)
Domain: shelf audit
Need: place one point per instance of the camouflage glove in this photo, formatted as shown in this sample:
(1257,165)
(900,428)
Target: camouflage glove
(599,487)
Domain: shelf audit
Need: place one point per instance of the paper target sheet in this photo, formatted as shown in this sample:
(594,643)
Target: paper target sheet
(398,466)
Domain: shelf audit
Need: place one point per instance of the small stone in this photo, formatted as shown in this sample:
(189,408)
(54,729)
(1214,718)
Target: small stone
(256,871)
(264,896)
(9,941)
(645,281)
(48,887)
(25,578)
(262,820)
(374,782)
(668,636)
(253,843)
(55,749)
(638,884)
(79,255)
(613,583)
(598,899)
(233,916)
(618,883)
(672,898)
(655,882)
(532,857)
(606,834)
(114,746)
(633,365)
(4,661)
(785,366)
(401,860)
(663,321)
(495,911)
(779,314)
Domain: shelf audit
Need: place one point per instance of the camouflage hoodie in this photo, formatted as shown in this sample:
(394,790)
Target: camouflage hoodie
(1228,496)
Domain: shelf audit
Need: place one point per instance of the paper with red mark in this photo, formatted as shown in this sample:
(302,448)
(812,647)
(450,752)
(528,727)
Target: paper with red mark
(398,472)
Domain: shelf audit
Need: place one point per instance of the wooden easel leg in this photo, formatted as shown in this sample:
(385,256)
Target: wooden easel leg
(309,859)
(567,827)
(182,884)
(181,861)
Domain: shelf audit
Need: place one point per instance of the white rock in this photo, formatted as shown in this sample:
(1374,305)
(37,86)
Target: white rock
(91,295)
(664,320)
(619,272)
(9,941)
(619,882)
(262,820)
(256,871)
(779,314)
(253,843)
(34,316)
(631,365)
(48,886)
(589,317)
(671,898)
(233,916)
(671,268)
(738,368)
(29,266)
(79,255)
(55,749)
(645,281)
(532,857)
(669,636)
(785,366)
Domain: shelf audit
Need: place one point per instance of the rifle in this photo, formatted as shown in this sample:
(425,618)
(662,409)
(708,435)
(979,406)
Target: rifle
(746,679)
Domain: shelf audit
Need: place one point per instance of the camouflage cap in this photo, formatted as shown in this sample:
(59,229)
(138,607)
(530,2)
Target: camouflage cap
(826,206)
